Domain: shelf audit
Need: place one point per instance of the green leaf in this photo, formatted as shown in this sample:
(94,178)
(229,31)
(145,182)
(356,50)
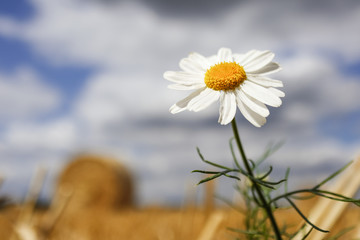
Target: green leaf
(266,174)
(271,149)
(287,173)
(303,216)
(211,163)
(341,233)
(210,178)
(332,175)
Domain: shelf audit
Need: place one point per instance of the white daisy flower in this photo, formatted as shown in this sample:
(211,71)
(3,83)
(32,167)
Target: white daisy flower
(238,80)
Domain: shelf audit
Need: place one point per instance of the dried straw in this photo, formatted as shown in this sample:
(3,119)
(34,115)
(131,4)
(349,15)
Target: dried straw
(7,230)
(209,230)
(326,212)
(96,182)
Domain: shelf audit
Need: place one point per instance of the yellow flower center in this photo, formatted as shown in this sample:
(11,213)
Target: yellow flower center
(224,76)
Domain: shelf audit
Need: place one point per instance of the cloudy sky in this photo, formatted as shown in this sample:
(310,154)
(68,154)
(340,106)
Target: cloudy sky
(79,75)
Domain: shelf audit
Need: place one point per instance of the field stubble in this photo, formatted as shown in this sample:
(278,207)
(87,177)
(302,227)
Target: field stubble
(89,212)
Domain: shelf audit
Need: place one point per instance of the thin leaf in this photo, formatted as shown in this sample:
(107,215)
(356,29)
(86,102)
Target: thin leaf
(287,173)
(271,149)
(337,197)
(210,178)
(302,197)
(332,175)
(342,232)
(262,183)
(251,233)
(307,234)
(216,175)
(274,183)
(233,153)
(253,164)
(267,173)
(256,197)
(211,163)
(303,216)
(232,176)
(205,172)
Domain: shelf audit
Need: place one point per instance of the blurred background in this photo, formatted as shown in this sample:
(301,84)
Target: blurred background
(86,76)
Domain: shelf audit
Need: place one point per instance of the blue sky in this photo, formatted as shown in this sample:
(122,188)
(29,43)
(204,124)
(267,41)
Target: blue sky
(87,76)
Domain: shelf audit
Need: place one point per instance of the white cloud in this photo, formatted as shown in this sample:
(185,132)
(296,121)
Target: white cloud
(306,25)
(130,33)
(23,94)
(58,135)
(101,101)
(316,89)
(131,45)
(73,32)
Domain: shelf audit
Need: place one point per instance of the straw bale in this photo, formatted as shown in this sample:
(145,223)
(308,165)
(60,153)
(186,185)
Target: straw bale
(95,182)
(7,231)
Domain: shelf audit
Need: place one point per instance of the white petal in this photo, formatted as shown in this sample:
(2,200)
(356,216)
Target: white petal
(249,56)
(252,103)
(182,104)
(192,66)
(269,68)
(251,116)
(259,61)
(260,93)
(238,57)
(184,77)
(227,107)
(186,87)
(213,60)
(277,92)
(203,100)
(224,55)
(203,61)
(176,109)
(264,81)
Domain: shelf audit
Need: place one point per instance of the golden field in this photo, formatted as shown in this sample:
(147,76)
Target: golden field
(85,208)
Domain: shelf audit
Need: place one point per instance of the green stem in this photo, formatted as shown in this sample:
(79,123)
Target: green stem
(258,189)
